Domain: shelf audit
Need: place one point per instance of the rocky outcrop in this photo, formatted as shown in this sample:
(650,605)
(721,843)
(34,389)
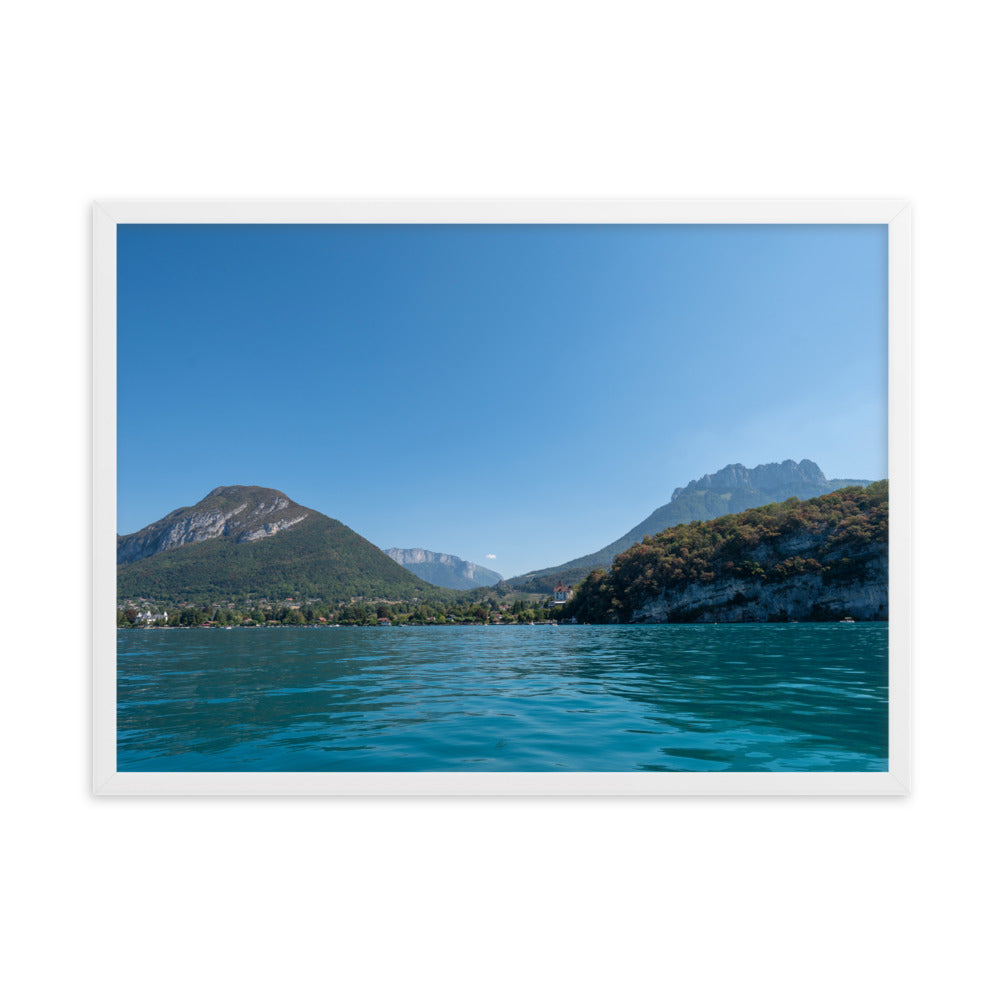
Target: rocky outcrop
(244,513)
(808,596)
(769,477)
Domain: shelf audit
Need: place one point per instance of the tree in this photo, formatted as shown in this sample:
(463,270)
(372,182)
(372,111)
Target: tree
(191,617)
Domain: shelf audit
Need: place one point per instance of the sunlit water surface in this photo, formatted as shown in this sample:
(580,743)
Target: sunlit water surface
(795,697)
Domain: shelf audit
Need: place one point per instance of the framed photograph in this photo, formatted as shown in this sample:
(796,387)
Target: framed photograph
(510,497)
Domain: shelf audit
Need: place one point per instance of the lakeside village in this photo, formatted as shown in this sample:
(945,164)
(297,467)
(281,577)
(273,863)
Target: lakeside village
(492,608)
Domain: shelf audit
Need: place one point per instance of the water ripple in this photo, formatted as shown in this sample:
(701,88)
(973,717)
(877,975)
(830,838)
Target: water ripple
(584,698)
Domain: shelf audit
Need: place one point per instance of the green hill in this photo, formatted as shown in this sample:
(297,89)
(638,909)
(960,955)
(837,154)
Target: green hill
(250,543)
(818,559)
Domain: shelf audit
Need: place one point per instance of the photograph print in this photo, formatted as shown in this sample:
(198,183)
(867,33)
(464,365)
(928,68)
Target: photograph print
(486,497)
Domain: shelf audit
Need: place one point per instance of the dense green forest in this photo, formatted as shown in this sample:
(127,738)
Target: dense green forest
(836,536)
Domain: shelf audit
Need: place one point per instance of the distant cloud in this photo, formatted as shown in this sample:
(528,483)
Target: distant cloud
(489,555)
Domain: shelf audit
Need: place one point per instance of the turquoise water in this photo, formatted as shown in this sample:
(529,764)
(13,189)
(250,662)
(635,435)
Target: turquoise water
(795,697)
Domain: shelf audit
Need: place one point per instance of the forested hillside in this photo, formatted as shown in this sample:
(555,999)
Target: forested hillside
(813,559)
(246,544)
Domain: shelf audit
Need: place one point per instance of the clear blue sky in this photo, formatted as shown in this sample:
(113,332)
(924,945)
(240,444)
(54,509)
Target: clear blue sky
(530,392)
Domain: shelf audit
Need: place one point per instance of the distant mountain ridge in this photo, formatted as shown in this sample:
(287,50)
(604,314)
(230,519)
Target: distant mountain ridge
(444,570)
(243,543)
(731,490)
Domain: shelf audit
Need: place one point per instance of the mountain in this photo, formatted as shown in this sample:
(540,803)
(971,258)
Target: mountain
(818,559)
(444,570)
(242,513)
(248,542)
(728,491)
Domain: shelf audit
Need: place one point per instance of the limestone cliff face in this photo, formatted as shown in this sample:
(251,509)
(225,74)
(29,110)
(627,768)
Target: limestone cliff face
(772,476)
(444,570)
(807,597)
(245,513)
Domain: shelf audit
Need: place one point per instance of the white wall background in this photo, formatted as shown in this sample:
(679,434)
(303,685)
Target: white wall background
(473,898)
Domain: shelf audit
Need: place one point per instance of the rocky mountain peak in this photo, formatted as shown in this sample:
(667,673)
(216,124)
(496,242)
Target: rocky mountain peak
(245,493)
(769,476)
(245,513)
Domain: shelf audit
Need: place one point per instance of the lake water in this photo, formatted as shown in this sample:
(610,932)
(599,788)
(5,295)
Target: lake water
(797,697)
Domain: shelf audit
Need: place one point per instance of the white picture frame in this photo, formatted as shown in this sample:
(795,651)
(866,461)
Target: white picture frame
(895,214)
